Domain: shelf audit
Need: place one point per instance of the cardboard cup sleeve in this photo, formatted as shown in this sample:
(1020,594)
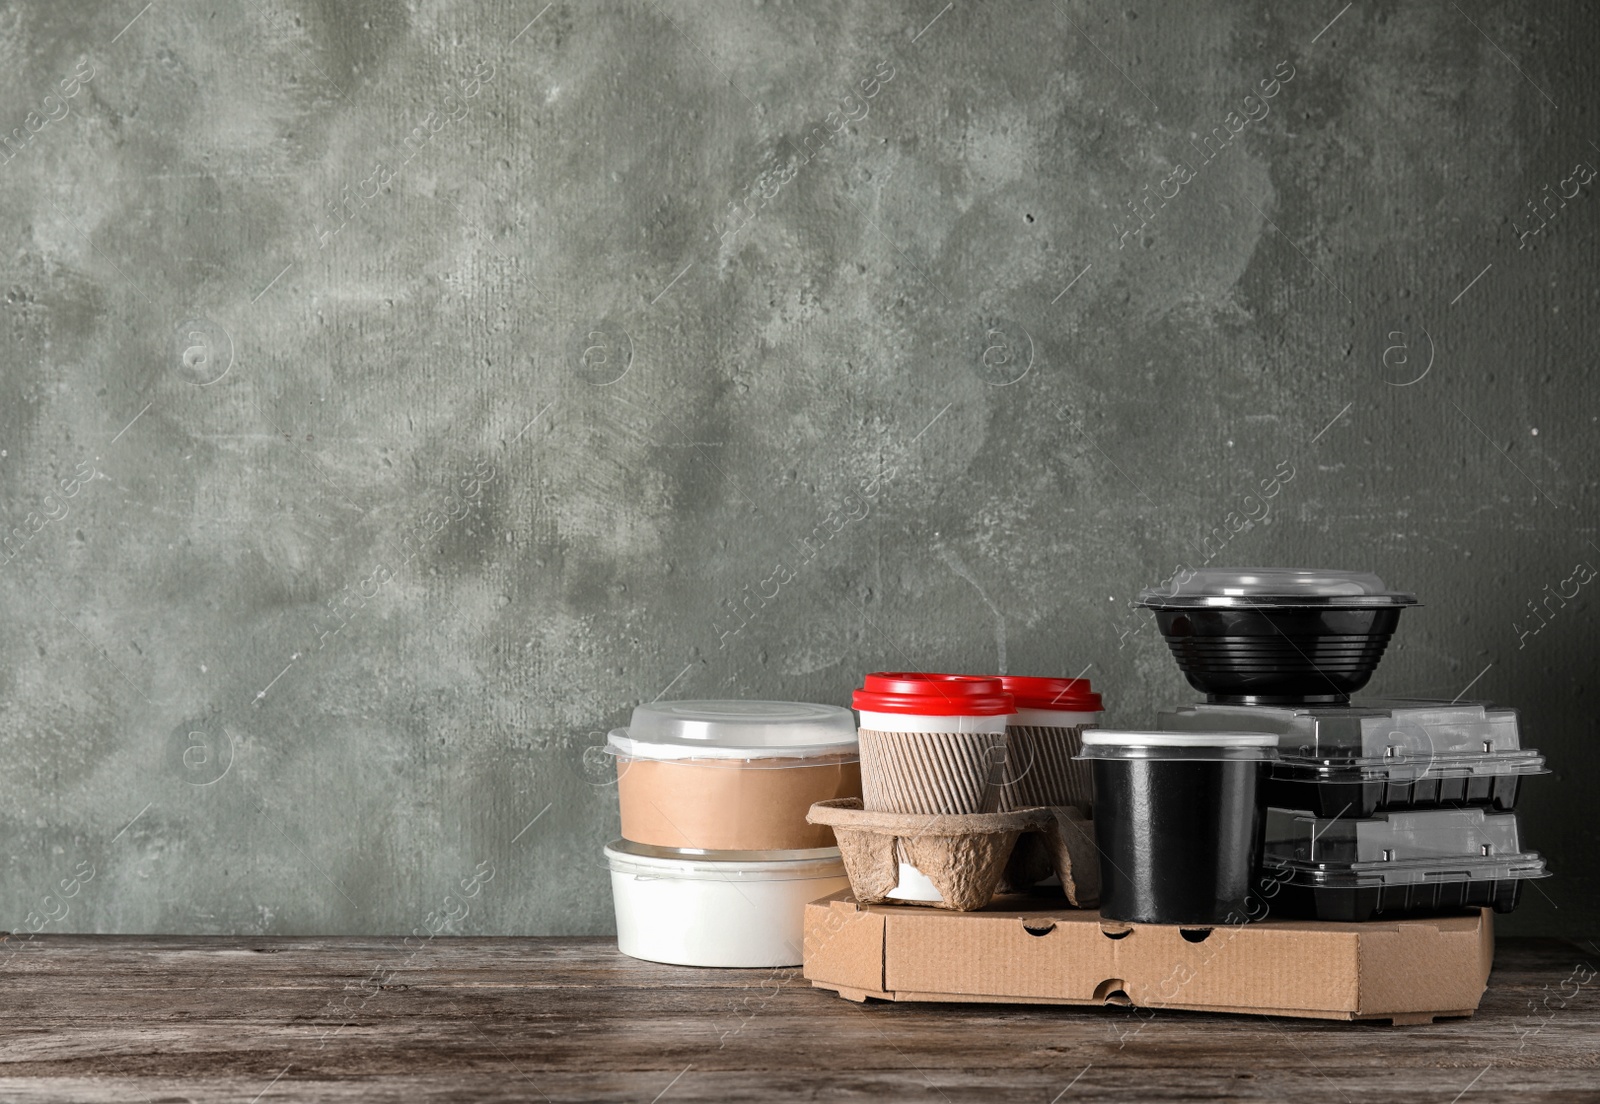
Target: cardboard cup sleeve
(933,773)
(1041,770)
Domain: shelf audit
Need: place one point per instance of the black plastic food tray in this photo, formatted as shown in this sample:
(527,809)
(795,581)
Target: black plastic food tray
(1390,901)
(1360,800)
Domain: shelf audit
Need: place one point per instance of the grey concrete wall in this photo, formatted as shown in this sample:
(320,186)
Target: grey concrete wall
(395,395)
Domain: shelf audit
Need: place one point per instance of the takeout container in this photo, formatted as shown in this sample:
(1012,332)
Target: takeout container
(717,860)
(1266,636)
(1359,759)
(732,775)
(1394,864)
(1178,823)
(931,743)
(731,910)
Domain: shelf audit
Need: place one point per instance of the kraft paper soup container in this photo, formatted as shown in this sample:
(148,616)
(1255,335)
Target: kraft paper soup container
(1275,635)
(724,911)
(1178,821)
(1043,739)
(733,775)
(932,744)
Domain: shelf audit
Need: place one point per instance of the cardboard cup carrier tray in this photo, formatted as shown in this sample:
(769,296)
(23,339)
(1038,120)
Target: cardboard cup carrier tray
(1031,950)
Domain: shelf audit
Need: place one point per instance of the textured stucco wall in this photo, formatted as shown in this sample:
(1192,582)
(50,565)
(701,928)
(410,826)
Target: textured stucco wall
(394,395)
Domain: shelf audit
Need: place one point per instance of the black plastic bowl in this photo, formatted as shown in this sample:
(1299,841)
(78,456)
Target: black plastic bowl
(1276,635)
(1283,656)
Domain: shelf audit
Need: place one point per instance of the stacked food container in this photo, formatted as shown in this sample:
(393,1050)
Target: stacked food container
(1373,809)
(717,860)
(1276,796)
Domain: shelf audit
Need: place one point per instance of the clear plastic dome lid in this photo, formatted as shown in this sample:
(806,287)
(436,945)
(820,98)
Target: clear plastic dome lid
(1273,587)
(735,730)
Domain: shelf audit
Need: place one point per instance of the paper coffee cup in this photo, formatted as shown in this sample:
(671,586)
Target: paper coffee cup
(932,744)
(1043,737)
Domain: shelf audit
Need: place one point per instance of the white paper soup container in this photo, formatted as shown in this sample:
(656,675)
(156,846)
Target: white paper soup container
(733,775)
(716,912)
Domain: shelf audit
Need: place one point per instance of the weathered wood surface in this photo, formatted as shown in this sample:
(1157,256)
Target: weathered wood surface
(172,1019)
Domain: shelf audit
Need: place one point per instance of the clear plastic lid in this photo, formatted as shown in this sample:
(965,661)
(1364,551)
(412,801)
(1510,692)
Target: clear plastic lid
(1100,743)
(703,855)
(735,730)
(1273,588)
(1379,739)
(625,857)
(1400,848)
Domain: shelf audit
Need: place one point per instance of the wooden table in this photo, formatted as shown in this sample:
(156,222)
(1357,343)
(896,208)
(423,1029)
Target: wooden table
(173,1019)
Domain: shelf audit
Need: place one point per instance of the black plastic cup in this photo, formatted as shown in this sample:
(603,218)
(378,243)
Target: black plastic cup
(1178,821)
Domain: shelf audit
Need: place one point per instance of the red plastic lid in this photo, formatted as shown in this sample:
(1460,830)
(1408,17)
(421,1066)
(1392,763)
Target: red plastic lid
(933,695)
(1072,695)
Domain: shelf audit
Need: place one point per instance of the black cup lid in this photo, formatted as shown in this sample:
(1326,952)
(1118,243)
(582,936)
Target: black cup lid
(1273,588)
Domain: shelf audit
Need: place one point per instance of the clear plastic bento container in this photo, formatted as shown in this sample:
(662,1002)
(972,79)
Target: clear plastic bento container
(1393,864)
(1366,757)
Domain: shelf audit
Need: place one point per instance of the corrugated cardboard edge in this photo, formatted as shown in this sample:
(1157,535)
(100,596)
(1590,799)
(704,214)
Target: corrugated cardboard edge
(844,946)
(1396,961)
(1404,971)
(1398,1019)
